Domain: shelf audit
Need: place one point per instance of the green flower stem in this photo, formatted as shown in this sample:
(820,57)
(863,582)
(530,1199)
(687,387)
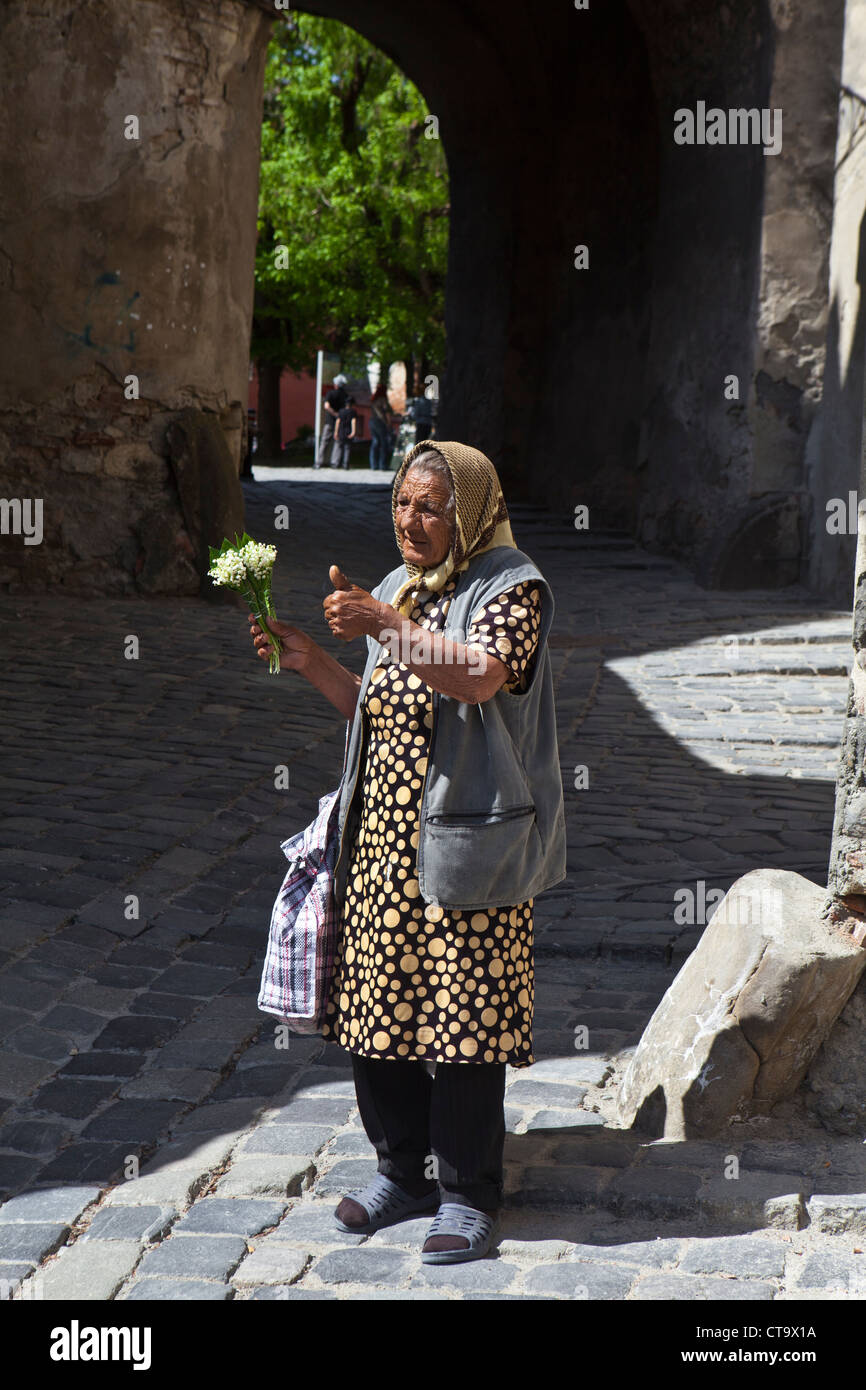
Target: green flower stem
(276,646)
(261,600)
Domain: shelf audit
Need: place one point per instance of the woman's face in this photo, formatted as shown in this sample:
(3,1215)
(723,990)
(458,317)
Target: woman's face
(425,534)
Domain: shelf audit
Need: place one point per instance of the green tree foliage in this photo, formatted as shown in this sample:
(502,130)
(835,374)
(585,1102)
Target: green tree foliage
(356,192)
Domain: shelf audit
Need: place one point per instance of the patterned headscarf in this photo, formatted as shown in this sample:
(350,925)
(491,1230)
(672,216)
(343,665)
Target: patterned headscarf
(481,516)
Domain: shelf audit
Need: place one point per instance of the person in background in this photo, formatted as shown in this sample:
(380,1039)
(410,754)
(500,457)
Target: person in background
(346,427)
(334,402)
(419,409)
(252,438)
(381,430)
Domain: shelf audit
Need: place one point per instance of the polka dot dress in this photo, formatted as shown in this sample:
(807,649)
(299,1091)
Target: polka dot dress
(413,980)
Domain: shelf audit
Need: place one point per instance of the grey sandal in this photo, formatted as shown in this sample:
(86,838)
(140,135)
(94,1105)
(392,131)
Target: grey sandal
(452,1219)
(385,1204)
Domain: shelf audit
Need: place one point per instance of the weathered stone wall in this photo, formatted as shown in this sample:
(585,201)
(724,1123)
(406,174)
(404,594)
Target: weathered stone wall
(740,288)
(835,1088)
(847,876)
(122,257)
(837,458)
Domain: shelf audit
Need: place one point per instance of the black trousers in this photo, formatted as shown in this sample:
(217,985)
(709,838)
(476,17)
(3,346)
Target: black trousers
(455,1118)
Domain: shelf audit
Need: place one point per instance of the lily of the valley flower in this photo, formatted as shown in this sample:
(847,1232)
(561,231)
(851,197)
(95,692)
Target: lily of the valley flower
(247,567)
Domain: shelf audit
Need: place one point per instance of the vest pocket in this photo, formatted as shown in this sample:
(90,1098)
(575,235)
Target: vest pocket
(480,860)
(469,818)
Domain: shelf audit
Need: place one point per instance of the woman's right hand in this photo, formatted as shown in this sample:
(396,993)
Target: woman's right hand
(297,649)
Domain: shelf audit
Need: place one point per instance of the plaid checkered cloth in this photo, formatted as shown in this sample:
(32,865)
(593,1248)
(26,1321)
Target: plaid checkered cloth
(302,941)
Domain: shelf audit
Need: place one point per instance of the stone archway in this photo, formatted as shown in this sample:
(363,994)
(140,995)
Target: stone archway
(150,266)
(601,386)
(550,132)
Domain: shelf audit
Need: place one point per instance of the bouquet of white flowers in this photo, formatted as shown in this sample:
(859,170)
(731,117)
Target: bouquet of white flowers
(247,566)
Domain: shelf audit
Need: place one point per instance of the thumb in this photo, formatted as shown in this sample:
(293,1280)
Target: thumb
(338,579)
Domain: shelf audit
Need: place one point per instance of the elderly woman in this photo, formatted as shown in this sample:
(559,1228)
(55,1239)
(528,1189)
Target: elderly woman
(451,822)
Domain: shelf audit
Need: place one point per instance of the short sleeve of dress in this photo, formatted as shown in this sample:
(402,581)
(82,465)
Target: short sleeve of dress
(507,627)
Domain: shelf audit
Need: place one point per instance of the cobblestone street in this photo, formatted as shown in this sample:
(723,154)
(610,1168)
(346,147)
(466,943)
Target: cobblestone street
(158,1142)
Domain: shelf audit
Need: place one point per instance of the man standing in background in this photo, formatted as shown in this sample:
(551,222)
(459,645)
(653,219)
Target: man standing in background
(347,421)
(334,402)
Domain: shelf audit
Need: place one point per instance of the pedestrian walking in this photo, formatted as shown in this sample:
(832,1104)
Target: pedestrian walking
(381,430)
(334,401)
(420,411)
(251,441)
(451,821)
(344,433)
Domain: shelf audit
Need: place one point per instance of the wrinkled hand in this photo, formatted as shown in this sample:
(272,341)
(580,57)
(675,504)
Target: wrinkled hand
(297,646)
(351,611)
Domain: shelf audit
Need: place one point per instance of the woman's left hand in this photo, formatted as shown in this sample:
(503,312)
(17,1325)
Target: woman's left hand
(351,611)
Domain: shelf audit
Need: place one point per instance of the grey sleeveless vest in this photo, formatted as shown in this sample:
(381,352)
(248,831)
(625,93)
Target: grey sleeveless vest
(492,824)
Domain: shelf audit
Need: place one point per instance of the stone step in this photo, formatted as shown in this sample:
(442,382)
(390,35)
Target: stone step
(702,1197)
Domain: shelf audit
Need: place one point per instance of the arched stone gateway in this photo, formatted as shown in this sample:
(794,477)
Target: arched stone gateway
(672,384)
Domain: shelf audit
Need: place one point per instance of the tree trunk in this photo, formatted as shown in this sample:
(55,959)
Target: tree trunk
(269,426)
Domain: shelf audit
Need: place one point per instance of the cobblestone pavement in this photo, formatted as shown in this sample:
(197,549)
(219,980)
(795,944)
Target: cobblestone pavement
(158,1142)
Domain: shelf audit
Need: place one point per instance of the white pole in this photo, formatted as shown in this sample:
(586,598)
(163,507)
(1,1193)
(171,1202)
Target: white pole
(320,356)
